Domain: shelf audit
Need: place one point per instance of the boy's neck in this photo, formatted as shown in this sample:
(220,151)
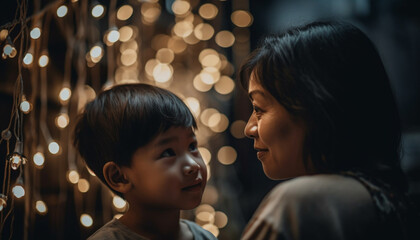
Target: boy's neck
(153,223)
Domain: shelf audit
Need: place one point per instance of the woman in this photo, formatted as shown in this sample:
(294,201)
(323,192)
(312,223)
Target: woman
(325,118)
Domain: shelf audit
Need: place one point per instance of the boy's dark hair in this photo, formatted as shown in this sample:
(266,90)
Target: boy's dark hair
(330,75)
(124,118)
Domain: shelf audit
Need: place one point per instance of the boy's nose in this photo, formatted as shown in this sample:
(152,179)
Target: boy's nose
(191,166)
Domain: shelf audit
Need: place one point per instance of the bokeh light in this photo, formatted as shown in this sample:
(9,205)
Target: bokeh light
(86,220)
(18,191)
(225,39)
(83,185)
(41,207)
(237,129)
(53,147)
(35,33)
(241,18)
(225,85)
(39,159)
(180,7)
(203,31)
(98,10)
(62,11)
(73,176)
(208,11)
(62,120)
(227,155)
(124,12)
(205,154)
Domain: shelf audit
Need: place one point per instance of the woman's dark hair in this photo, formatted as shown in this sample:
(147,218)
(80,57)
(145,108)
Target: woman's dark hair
(330,75)
(124,118)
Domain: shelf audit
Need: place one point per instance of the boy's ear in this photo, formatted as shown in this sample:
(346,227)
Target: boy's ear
(115,177)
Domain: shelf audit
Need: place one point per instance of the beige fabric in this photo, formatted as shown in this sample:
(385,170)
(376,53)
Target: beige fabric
(314,207)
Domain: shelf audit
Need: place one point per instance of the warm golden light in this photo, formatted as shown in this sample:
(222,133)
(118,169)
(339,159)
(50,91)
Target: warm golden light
(86,220)
(3,34)
(227,155)
(237,129)
(211,228)
(62,11)
(208,11)
(206,114)
(53,147)
(129,57)
(241,18)
(183,28)
(225,85)
(150,65)
(204,217)
(96,51)
(98,10)
(180,7)
(18,191)
(41,207)
(199,85)
(205,154)
(194,105)
(62,120)
(39,159)
(162,72)
(90,171)
(124,12)
(203,31)
(119,203)
(73,176)
(150,12)
(165,55)
(204,208)
(191,39)
(126,33)
(43,61)
(177,44)
(83,185)
(225,39)
(220,219)
(222,123)
(35,33)
(113,35)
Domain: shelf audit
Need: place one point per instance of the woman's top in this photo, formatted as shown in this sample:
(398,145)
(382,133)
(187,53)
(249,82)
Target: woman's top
(346,206)
(115,230)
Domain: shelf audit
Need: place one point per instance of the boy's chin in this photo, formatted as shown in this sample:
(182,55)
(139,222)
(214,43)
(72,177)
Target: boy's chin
(191,205)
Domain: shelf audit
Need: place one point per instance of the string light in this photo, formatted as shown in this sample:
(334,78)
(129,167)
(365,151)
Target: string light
(227,155)
(62,120)
(73,176)
(241,18)
(86,220)
(193,104)
(3,201)
(53,147)
(98,10)
(35,33)
(28,59)
(112,36)
(64,94)
(119,203)
(18,190)
(237,129)
(180,8)
(41,207)
(205,154)
(39,159)
(17,158)
(225,85)
(83,185)
(124,12)
(203,31)
(25,106)
(225,39)
(43,60)
(62,11)
(208,11)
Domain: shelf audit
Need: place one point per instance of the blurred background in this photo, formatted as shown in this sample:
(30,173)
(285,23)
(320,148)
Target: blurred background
(57,55)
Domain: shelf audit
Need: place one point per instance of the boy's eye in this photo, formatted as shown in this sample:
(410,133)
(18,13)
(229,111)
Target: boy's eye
(193,147)
(167,153)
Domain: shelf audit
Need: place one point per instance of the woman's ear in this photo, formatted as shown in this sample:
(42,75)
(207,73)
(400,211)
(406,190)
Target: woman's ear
(115,177)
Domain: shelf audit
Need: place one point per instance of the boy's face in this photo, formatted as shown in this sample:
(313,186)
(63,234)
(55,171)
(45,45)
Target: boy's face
(167,173)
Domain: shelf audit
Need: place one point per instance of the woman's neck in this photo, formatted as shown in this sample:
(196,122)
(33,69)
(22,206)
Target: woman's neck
(153,223)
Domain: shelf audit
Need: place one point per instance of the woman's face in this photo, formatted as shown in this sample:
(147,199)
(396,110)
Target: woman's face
(278,137)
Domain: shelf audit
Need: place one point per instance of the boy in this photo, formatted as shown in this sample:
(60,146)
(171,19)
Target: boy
(139,140)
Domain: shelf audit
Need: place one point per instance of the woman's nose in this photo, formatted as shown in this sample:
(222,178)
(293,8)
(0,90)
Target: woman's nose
(251,128)
(191,166)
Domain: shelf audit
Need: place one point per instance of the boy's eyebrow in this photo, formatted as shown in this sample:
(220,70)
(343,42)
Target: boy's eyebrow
(167,140)
(254,92)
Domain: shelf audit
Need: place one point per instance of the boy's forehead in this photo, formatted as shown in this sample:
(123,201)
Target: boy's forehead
(174,133)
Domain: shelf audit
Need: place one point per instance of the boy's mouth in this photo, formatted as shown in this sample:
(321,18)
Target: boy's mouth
(194,187)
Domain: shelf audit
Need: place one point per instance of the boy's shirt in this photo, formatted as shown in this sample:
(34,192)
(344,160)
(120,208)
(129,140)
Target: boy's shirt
(115,230)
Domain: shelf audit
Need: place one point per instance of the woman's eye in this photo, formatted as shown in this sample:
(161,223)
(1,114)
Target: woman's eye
(167,153)
(193,147)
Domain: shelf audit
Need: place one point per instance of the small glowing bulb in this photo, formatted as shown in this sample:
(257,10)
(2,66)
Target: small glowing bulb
(28,59)
(25,106)
(73,176)
(98,10)
(15,161)
(41,207)
(39,159)
(53,147)
(62,120)
(65,94)
(3,202)
(86,220)
(7,49)
(62,11)
(83,185)
(118,202)
(113,36)
(35,33)
(96,52)
(18,191)
(43,61)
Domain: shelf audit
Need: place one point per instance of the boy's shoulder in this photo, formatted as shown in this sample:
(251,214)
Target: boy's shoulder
(115,230)
(198,232)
